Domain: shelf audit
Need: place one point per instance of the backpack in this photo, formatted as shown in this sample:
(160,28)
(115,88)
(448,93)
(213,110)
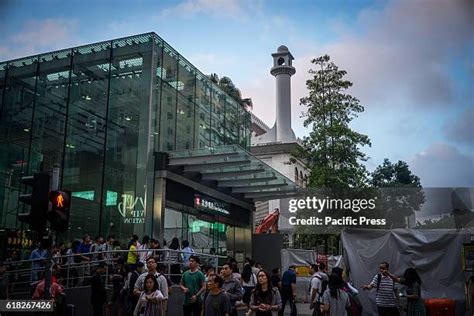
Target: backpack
(379,279)
(324,285)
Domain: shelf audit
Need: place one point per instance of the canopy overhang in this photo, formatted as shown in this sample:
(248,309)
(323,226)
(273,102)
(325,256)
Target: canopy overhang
(233,169)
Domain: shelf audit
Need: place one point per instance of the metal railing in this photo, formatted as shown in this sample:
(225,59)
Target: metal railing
(75,270)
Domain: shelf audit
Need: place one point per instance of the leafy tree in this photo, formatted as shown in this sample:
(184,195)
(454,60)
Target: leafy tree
(402,194)
(226,85)
(332,149)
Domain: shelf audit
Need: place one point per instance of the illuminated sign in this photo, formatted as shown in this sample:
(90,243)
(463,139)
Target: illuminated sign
(210,205)
(132,209)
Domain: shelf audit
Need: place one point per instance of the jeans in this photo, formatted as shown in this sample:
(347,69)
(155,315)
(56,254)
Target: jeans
(287,296)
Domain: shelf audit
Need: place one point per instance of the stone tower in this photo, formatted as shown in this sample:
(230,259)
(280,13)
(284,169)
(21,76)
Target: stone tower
(282,69)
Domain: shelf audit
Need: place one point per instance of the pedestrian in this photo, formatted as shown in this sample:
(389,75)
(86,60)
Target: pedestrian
(55,289)
(108,248)
(12,265)
(208,271)
(133,257)
(412,282)
(288,290)
(276,278)
(193,285)
(174,257)
(97,248)
(212,261)
(231,286)
(386,292)
(119,280)
(154,250)
(235,271)
(38,257)
(216,303)
(73,260)
(132,299)
(187,252)
(356,306)
(160,278)
(151,299)
(98,293)
(84,258)
(143,249)
(318,284)
(248,281)
(265,299)
(334,301)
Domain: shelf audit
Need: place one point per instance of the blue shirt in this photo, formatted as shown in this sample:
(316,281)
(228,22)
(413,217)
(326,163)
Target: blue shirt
(289,277)
(38,254)
(187,253)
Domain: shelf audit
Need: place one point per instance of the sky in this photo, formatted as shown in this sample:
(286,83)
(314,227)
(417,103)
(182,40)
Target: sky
(411,62)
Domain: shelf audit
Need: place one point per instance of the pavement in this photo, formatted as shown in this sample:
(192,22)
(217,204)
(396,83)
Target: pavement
(301,308)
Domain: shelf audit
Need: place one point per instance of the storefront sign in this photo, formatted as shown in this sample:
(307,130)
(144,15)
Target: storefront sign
(132,209)
(210,205)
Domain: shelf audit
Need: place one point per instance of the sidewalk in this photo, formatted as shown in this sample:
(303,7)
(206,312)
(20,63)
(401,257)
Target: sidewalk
(301,308)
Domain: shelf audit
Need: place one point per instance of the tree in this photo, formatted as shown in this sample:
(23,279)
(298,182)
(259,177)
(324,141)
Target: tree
(402,193)
(332,148)
(226,85)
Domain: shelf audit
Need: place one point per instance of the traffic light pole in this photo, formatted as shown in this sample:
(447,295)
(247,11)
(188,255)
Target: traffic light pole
(47,272)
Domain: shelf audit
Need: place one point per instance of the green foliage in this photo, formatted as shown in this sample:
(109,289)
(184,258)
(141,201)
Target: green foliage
(332,148)
(401,193)
(394,175)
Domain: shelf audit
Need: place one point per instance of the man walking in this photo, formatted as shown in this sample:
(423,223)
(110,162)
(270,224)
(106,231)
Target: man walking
(231,286)
(216,303)
(193,285)
(318,285)
(385,285)
(288,290)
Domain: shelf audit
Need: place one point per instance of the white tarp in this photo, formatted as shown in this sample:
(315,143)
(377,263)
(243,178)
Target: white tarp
(435,254)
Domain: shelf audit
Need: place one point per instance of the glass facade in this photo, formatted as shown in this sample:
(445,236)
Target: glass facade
(99,112)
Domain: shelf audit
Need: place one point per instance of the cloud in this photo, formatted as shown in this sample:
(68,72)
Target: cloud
(407,51)
(442,165)
(460,129)
(39,36)
(216,8)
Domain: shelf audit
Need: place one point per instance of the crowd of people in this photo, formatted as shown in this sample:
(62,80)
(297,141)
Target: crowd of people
(141,278)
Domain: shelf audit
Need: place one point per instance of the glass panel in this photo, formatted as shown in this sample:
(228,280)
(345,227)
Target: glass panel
(85,135)
(203,112)
(15,134)
(231,121)
(185,111)
(124,196)
(157,86)
(168,101)
(217,116)
(50,110)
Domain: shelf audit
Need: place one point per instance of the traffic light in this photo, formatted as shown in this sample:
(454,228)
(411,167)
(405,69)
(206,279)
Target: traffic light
(58,215)
(37,199)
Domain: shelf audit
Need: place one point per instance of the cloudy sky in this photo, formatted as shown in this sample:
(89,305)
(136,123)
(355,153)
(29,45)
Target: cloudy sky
(411,62)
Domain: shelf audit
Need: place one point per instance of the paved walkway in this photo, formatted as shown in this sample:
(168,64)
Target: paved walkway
(302,309)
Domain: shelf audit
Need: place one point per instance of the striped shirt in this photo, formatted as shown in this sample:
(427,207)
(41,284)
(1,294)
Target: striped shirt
(385,293)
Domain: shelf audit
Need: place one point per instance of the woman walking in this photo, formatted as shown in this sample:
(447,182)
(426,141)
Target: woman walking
(150,301)
(412,282)
(248,281)
(335,301)
(265,300)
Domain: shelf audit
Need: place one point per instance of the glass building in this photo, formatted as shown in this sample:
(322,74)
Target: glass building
(121,119)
